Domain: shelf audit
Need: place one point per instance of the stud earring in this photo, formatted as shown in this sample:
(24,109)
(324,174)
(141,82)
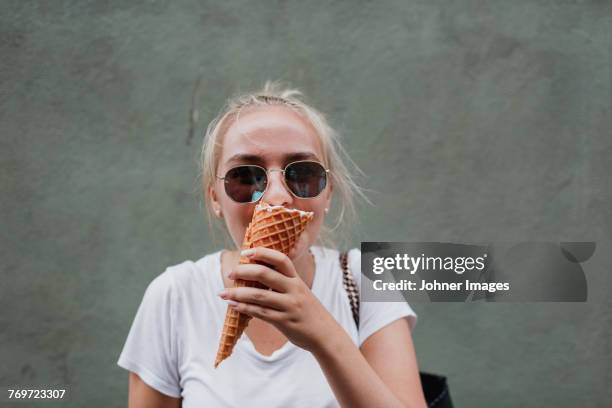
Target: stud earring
(326,210)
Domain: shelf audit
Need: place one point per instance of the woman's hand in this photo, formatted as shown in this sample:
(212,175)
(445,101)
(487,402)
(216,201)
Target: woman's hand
(290,306)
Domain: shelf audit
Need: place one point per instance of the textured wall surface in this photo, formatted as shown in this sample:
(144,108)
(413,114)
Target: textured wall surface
(473,121)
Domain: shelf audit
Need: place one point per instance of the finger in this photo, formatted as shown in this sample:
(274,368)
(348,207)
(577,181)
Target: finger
(256,296)
(261,273)
(276,259)
(263,313)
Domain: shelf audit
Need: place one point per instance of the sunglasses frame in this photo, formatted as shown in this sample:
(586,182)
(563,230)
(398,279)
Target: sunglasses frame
(284,178)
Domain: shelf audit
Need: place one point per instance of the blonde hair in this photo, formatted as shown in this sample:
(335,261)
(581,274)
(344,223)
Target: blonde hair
(275,93)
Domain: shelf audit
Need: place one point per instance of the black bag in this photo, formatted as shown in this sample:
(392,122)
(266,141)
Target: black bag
(435,387)
(435,390)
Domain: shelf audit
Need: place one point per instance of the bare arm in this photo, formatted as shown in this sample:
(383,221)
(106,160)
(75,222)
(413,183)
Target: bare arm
(141,395)
(383,374)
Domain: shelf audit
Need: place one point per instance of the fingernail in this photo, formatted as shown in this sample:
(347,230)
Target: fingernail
(223,293)
(248,252)
(231,275)
(230,302)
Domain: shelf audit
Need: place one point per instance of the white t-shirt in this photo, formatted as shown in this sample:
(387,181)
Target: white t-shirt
(173,341)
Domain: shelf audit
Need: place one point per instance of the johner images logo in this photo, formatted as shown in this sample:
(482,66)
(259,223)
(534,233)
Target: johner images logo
(451,272)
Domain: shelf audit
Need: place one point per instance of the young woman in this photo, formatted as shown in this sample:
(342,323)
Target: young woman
(302,348)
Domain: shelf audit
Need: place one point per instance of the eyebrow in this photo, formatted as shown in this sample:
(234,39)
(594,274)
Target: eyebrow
(287,157)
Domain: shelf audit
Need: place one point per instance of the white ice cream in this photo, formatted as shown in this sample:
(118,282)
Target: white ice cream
(270,208)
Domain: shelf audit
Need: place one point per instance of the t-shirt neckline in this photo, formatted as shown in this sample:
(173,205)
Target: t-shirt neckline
(244,341)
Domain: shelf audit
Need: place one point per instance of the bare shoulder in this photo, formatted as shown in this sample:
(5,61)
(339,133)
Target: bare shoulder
(390,352)
(142,395)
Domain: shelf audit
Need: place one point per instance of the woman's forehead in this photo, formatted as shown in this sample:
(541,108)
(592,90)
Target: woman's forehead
(270,133)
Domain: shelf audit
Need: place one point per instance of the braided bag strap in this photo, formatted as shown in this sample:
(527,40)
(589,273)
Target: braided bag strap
(434,386)
(350,287)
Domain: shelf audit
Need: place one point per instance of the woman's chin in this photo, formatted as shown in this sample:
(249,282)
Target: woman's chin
(301,247)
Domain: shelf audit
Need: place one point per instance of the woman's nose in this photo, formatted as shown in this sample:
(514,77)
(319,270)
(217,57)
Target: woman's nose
(276,193)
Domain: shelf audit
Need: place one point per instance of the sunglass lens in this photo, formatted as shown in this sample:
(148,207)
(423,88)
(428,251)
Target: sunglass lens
(245,184)
(306,179)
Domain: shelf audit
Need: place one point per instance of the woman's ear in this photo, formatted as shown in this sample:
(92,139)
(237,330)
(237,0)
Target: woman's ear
(215,202)
(329,196)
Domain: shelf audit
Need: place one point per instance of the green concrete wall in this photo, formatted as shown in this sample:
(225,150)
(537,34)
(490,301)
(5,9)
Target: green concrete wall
(473,121)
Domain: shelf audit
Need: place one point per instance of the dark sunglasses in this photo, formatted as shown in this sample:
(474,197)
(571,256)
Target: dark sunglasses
(247,183)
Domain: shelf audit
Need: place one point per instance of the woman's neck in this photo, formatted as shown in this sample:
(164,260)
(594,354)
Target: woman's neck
(305,267)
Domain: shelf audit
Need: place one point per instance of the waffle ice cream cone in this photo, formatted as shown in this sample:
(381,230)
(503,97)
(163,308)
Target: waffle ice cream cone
(273,227)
